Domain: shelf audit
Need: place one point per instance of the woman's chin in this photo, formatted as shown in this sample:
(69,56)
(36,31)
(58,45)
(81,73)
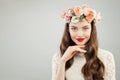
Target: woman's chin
(80,43)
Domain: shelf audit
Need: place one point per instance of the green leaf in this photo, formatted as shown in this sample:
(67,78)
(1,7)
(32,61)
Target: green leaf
(72,12)
(81,17)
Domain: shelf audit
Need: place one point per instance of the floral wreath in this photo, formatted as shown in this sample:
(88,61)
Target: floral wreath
(78,13)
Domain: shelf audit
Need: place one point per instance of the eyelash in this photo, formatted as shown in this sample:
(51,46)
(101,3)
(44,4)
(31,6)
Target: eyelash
(86,28)
(74,29)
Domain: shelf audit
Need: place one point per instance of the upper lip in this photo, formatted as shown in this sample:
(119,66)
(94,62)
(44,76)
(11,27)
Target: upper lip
(80,39)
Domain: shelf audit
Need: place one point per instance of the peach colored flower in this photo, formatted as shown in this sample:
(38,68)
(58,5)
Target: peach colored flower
(90,14)
(78,10)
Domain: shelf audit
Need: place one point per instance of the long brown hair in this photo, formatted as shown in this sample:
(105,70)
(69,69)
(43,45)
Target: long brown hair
(94,68)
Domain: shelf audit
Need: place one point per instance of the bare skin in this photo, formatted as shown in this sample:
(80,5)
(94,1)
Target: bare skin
(69,53)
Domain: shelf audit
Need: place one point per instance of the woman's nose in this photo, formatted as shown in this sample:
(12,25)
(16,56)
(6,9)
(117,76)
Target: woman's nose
(80,33)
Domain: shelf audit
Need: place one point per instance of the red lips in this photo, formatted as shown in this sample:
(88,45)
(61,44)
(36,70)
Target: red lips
(80,39)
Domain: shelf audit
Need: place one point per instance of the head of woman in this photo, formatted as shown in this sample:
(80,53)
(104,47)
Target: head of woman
(81,30)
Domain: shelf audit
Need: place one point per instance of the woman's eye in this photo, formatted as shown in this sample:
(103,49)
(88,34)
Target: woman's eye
(74,29)
(85,28)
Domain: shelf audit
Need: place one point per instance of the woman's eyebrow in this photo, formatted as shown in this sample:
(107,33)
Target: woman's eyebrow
(73,26)
(85,26)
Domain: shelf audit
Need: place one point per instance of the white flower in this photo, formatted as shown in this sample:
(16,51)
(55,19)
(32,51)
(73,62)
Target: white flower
(75,19)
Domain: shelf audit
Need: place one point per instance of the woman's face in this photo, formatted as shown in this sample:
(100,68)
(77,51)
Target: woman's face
(80,32)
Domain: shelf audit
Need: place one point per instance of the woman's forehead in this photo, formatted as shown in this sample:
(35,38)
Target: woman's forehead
(80,24)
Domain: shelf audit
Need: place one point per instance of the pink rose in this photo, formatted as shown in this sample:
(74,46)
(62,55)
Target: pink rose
(67,14)
(98,18)
(63,14)
(67,18)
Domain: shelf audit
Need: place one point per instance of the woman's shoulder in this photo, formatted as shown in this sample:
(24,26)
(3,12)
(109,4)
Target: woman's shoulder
(56,56)
(104,54)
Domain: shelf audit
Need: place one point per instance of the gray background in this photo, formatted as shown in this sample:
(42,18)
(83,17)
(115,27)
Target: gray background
(31,30)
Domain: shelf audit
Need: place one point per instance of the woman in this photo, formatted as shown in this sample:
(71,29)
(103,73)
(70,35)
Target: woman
(79,57)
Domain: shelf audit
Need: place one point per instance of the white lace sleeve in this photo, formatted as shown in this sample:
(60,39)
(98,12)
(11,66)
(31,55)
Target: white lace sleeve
(109,67)
(55,62)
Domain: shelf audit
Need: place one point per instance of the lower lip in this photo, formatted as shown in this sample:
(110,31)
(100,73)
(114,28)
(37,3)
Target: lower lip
(80,39)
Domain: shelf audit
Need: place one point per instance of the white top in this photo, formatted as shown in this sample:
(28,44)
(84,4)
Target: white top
(74,72)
